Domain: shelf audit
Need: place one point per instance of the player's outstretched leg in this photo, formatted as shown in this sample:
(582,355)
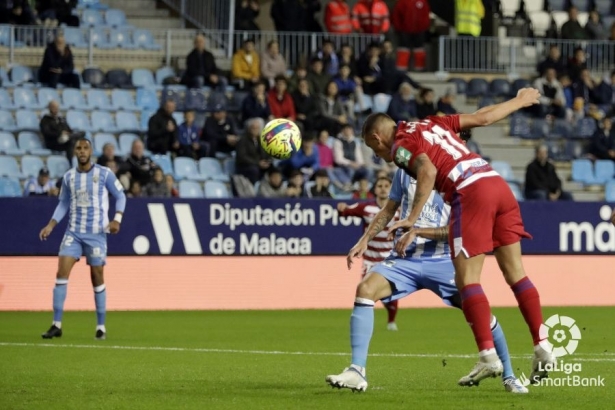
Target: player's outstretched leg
(65,265)
(373,287)
(391,308)
(100,300)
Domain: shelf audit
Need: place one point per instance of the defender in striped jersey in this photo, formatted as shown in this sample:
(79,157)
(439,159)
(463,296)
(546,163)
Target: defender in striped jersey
(85,196)
(380,247)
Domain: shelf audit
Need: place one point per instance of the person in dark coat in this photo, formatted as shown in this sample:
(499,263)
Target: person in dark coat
(201,68)
(220,132)
(541,180)
(306,106)
(403,106)
(251,160)
(426,105)
(162,130)
(602,145)
(255,105)
(56,132)
(57,67)
(137,166)
(60,10)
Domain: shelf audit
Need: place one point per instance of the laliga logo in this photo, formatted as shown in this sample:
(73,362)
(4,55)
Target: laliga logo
(560,335)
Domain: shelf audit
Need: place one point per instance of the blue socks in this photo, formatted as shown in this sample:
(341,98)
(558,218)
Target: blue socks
(59,296)
(361,329)
(100,298)
(501,348)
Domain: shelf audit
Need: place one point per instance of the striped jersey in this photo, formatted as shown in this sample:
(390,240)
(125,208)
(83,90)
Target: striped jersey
(379,247)
(85,195)
(435,214)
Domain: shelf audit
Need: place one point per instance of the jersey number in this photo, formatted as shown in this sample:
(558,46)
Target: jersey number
(446,141)
(67,241)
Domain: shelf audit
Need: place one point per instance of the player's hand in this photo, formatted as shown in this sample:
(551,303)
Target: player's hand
(341,207)
(357,251)
(403,224)
(45,232)
(404,241)
(528,96)
(114,227)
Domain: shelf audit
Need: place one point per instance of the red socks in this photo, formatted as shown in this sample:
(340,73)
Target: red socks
(476,309)
(391,308)
(529,304)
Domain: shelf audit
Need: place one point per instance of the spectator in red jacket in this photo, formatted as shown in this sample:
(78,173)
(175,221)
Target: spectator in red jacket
(337,17)
(280,102)
(411,23)
(371,17)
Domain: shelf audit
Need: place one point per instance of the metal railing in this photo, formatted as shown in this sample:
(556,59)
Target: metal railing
(516,56)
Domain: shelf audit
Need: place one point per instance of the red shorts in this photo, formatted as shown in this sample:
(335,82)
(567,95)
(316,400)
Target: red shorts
(484,216)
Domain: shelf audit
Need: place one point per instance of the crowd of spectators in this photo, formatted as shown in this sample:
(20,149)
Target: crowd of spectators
(48,13)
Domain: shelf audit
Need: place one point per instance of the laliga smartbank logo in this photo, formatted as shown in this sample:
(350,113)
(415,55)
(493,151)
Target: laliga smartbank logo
(560,336)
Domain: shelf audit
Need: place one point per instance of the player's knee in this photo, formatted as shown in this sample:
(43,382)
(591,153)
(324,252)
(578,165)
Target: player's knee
(365,290)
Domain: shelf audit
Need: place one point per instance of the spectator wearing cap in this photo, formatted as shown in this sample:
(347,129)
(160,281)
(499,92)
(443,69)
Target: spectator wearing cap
(251,160)
(273,63)
(220,132)
(321,186)
(189,138)
(255,105)
(280,102)
(403,105)
(272,185)
(317,77)
(306,106)
(162,130)
(41,185)
(445,104)
(246,66)
(201,68)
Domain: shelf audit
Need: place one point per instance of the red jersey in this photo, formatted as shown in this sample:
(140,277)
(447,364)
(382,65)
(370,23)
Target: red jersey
(457,167)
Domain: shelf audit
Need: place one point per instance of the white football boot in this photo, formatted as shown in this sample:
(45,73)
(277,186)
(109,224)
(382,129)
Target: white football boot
(481,371)
(513,385)
(540,362)
(392,326)
(352,378)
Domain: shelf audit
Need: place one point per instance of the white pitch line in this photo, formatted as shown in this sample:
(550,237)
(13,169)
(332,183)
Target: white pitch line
(589,357)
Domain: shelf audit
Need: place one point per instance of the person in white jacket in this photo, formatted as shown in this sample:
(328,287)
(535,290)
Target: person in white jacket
(552,100)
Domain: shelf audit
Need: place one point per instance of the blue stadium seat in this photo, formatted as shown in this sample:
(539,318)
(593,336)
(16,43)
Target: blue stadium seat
(101,139)
(499,87)
(127,121)
(147,99)
(190,189)
(583,171)
(609,191)
(582,5)
(46,95)
(4,78)
(186,168)
(92,18)
(558,5)
(163,73)
(126,139)
(239,96)
(604,7)
(8,145)
(31,165)
(25,98)
(504,169)
(176,95)
(520,126)
(57,165)
(460,84)
(91,4)
(586,127)
(179,117)
(10,188)
(485,101)
(9,167)
(210,168)
(74,37)
(73,99)
(143,39)
(216,189)
(229,166)
(103,121)
(123,100)
(121,38)
(7,122)
(381,102)
(574,149)
(145,117)
(100,38)
(366,102)
(99,100)
(604,170)
(561,129)
(142,77)
(93,76)
(477,87)
(78,120)
(118,78)
(21,75)
(540,129)
(5,35)
(195,100)
(516,190)
(164,162)
(27,120)
(518,84)
(6,102)
(115,18)
(30,141)
(557,151)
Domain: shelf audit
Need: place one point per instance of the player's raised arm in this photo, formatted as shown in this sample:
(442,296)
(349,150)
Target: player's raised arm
(116,189)
(526,97)
(59,213)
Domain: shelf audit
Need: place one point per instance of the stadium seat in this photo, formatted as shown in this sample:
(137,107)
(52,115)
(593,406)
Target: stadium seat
(541,21)
(367,102)
(518,84)
(103,121)
(142,77)
(557,5)
(216,98)
(147,99)
(190,189)
(121,38)
(520,126)
(78,120)
(25,98)
(604,170)
(92,18)
(460,84)
(504,169)
(477,87)
(604,7)
(186,168)
(556,150)
(46,95)
(31,142)
(540,129)
(145,117)
(27,120)
(115,18)
(7,122)
(123,100)
(561,129)
(57,165)
(216,189)
(381,102)
(196,101)
(126,139)
(229,166)
(485,102)
(74,37)
(499,87)
(127,121)
(586,127)
(100,38)
(91,4)
(118,78)
(164,162)
(9,167)
(179,117)
(210,168)
(21,75)
(176,95)
(582,5)
(516,190)
(534,6)
(582,171)
(93,76)
(143,39)
(4,78)
(6,102)
(73,99)
(8,145)
(574,149)
(31,165)
(99,100)
(609,191)
(239,96)
(101,139)
(164,73)
(10,188)
(510,7)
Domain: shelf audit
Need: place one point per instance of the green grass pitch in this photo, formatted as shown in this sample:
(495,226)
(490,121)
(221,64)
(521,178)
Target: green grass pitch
(278,360)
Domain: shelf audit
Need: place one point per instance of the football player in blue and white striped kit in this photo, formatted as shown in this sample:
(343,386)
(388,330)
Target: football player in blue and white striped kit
(425,264)
(85,196)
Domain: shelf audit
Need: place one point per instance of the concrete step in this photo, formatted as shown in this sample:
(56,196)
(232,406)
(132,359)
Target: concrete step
(155,23)
(131,5)
(150,13)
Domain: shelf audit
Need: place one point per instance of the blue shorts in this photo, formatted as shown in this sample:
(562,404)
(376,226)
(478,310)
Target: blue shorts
(92,245)
(408,276)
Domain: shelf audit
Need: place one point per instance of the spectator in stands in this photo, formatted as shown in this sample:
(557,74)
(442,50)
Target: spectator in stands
(337,17)
(280,102)
(572,30)
(371,17)
(541,180)
(377,165)
(585,87)
(60,10)
(411,21)
(289,15)
(246,66)
(168,178)
(370,71)
(135,190)
(317,77)
(296,185)
(552,100)
(577,64)
(189,138)
(220,132)
(255,105)
(594,27)
(391,76)
(251,160)
(20,13)
(306,106)
(364,192)
(108,156)
(603,142)
(348,90)
(553,60)
(312,8)
(306,160)
(347,152)
(332,114)
(445,104)
(347,57)
(138,167)
(56,132)
(201,68)
(162,130)
(57,67)
(403,106)
(273,63)
(41,185)
(245,14)
(321,188)
(425,103)
(331,64)
(158,187)
(566,83)
(272,185)
(325,153)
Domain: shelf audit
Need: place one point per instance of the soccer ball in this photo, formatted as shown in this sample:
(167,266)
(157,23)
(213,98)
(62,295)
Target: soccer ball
(281,138)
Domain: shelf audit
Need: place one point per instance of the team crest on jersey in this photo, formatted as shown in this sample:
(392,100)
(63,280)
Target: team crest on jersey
(95,179)
(402,156)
